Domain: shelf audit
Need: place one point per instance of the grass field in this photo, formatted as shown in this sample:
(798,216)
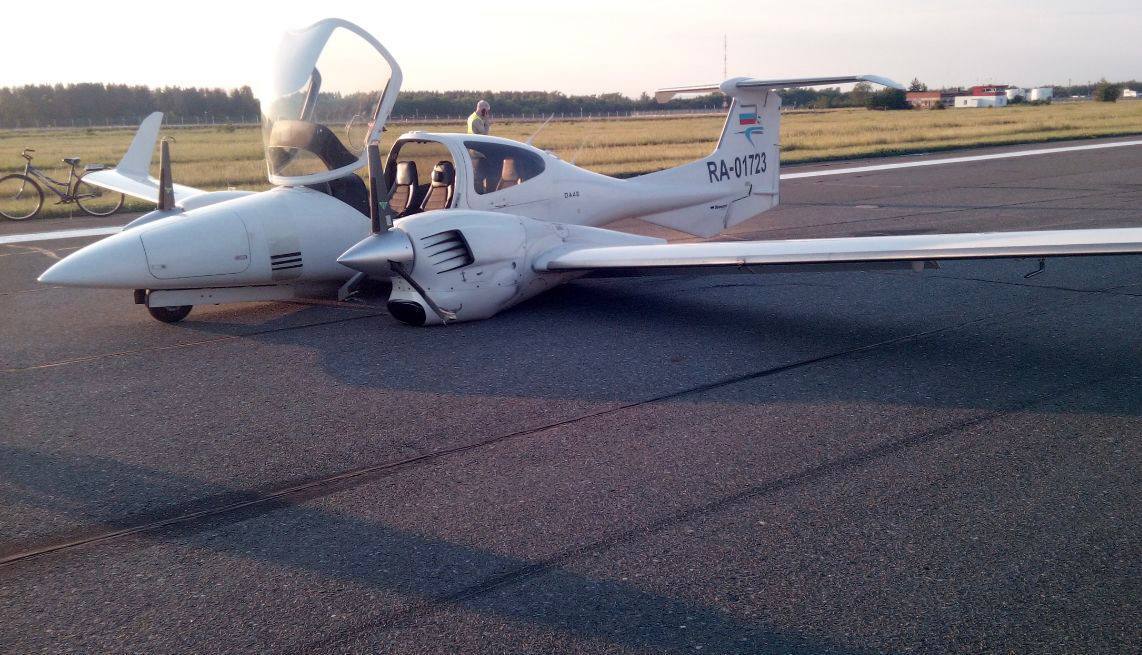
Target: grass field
(223,156)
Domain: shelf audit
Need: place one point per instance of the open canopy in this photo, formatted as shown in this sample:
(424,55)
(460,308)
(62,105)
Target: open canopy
(331,89)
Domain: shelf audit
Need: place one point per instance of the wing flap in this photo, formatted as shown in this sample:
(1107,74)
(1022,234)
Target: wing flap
(847,250)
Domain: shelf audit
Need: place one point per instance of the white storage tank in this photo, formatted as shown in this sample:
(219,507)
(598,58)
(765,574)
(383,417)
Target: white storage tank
(1041,93)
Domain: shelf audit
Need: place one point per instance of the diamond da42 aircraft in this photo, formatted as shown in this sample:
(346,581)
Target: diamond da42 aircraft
(464,225)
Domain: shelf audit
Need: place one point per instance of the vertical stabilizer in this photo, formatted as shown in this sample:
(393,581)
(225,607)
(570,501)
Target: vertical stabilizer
(745,163)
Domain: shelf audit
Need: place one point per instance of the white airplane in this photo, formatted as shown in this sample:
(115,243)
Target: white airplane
(464,225)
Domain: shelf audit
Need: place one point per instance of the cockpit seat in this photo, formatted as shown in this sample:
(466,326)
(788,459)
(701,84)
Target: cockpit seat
(404,187)
(439,194)
(289,136)
(485,173)
(509,176)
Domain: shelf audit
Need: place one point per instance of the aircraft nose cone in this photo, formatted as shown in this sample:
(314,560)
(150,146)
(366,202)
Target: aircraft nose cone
(373,253)
(118,261)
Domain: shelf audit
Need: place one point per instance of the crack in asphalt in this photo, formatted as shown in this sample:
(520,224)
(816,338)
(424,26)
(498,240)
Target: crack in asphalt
(270,499)
(418,610)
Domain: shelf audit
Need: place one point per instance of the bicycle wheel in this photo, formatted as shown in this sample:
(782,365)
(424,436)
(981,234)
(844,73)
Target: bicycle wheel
(20,197)
(95,200)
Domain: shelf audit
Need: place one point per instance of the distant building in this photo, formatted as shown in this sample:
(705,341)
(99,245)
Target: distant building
(1129,93)
(963,102)
(1040,94)
(930,99)
(1014,92)
(983,95)
(989,90)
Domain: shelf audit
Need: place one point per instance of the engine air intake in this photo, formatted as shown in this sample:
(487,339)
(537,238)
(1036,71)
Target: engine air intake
(446,251)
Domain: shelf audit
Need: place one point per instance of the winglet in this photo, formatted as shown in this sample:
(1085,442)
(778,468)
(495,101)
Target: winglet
(137,160)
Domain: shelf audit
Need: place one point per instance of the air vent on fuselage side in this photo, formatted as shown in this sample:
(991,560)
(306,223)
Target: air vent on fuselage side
(285,260)
(446,251)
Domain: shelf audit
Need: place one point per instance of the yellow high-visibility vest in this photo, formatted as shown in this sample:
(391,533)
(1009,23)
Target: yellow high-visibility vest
(476,125)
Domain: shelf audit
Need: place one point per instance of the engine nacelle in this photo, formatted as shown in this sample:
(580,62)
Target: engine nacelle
(471,265)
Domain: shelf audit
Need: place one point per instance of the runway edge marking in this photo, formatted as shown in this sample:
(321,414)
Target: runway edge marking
(960,160)
(104,231)
(56,235)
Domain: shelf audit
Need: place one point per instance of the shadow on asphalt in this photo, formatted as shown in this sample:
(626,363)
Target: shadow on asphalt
(942,342)
(432,572)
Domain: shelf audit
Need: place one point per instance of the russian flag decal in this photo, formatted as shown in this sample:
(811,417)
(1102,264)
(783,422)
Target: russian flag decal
(747,115)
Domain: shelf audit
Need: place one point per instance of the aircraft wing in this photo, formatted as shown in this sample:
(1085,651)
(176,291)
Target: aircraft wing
(132,175)
(847,250)
(144,186)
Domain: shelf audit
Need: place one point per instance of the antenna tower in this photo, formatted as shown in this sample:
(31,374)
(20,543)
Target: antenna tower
(725,59)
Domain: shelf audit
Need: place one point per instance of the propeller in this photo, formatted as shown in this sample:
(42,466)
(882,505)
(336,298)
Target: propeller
(166,184)
(387,250)
(375,253)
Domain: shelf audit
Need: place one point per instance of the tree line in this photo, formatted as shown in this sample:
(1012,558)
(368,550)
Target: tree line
(99,104)
(62,105)
(83,104)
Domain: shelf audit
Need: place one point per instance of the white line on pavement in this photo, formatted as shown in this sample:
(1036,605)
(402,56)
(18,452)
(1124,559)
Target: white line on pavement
(59,234)
(958,160)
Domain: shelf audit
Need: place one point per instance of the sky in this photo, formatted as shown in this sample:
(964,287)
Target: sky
(586,46)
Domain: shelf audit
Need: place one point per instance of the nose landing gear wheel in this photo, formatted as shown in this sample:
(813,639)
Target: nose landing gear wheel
(170,314)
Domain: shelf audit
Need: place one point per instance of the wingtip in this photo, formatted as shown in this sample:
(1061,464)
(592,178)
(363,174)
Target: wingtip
(884,81)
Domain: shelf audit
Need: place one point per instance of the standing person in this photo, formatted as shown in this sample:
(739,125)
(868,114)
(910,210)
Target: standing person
(481,119)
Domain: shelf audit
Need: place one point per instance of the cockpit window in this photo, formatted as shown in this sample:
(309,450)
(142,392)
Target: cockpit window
(323,102)
(497,166)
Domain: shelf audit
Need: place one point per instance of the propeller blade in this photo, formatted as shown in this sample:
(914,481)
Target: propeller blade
(166,185)
(380,213)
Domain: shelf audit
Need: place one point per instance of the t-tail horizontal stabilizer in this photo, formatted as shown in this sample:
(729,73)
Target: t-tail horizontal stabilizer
(739,179)
(729,86)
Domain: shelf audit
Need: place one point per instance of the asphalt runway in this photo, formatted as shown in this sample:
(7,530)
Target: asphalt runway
(844,462)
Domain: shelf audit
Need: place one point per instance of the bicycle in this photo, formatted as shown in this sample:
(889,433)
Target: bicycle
(22,196)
